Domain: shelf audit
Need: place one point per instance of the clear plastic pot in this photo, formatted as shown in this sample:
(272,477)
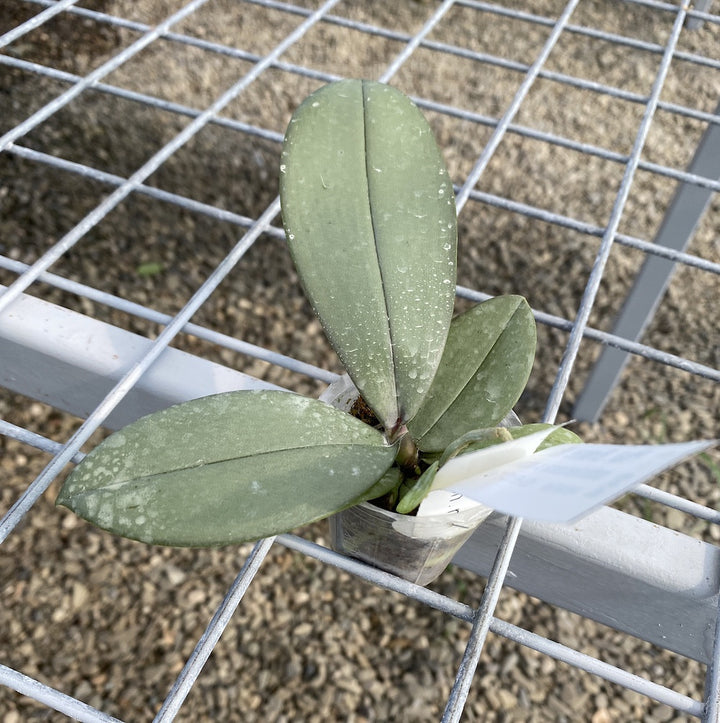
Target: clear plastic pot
(417,549)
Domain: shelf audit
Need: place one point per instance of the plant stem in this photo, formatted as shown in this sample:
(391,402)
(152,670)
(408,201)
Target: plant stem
(407,456)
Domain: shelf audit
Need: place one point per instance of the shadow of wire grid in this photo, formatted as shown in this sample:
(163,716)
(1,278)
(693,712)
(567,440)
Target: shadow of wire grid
(94,623)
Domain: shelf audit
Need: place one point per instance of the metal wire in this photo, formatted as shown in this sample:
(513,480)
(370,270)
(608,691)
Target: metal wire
(617,342)
(593,284)
(214,630)
(491,199)
(497,61)
(53,698)
(35,22)
(28,499)
(482,618)
(7,429)
(157,317)
(507,630)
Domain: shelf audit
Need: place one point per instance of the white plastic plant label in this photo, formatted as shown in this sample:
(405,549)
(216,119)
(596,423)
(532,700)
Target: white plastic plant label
(559,484)
(443,498)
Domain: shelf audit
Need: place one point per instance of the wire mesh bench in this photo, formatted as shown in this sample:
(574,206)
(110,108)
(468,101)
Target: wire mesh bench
(568,128)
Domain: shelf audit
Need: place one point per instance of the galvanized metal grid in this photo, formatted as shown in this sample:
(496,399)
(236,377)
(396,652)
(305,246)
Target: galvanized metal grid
(677,17)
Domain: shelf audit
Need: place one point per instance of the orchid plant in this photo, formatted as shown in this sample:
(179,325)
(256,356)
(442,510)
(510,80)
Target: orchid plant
(370,219)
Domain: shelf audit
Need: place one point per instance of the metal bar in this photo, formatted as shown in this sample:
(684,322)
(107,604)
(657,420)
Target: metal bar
(491,594)
(35,440)
(593,230)
(593,284)
(115,62)
(135,96)
(524,131)
(440,47)
(532,73)
(711,714)
(668,7)
(413,43)
(157,317)
(647,352)
(42,359)
(72,707)
(580,569)
(702,6)
(575,658)
(594,33)
(378,577)
(512,632)
(678,503)
(190,204)
(214,630)
(481,196)
(150,166)
(658,585)
(586,149)
(126,384)
(34,22)
(199,43)
(640,305)
(481,624)
(495,10)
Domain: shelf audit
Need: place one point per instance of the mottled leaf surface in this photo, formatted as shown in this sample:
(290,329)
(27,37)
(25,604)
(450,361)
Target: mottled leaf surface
(226,469)
(487,361)
(369,214)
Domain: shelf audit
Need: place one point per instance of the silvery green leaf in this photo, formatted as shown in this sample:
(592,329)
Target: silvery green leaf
(484,438)
(474,440)
(369,215)
(388,482)
(561,435)
(227,468)
(487,361)
(416,492)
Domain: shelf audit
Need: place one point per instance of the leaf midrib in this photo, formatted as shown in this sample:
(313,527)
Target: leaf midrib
(470,378)
(377,254)
(120,483)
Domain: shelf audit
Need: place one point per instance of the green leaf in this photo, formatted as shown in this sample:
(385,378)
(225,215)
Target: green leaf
(388,482)
(227,468)
(474,440)
(369,214)
(151,268)
(562,435)
(487,361)
(417,492)
(482,440)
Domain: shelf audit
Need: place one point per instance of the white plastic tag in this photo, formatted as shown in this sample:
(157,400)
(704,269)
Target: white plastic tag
(558,484)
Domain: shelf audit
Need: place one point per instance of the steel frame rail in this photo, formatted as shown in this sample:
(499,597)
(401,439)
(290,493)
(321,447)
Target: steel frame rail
(150,374)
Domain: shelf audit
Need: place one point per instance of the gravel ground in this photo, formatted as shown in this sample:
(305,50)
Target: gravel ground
(112,622)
